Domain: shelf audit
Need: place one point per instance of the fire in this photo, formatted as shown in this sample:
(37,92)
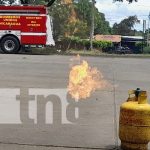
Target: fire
(83,80)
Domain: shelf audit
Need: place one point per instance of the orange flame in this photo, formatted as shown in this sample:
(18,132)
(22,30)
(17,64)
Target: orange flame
(83,80)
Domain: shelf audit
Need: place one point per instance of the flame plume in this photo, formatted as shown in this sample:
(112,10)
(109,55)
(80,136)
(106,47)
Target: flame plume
(83,80)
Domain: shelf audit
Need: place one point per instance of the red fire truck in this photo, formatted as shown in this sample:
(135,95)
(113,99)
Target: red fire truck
(24,25)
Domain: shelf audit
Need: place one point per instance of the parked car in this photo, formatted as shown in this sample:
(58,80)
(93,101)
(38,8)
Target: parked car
(123,50)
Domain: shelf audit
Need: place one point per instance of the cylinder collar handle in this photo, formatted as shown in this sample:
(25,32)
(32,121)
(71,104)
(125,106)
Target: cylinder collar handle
(142,97)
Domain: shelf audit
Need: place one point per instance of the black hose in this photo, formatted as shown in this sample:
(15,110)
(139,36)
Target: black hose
(50,3)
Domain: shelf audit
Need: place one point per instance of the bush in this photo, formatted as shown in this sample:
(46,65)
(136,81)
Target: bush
(139,46)
(146,50)
(77,43)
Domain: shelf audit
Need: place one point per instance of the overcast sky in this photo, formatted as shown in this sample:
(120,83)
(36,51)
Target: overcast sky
(115,12)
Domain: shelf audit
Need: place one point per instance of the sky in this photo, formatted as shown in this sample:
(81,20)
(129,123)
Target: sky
(115,12)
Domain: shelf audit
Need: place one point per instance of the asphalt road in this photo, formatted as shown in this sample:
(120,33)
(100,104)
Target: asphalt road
(94,129)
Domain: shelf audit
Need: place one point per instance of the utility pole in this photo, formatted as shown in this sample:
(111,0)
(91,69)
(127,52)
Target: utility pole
(144,28)
(92,25)
(148,29)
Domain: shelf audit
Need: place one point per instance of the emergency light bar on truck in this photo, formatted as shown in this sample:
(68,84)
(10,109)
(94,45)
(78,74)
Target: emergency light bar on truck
(24,25)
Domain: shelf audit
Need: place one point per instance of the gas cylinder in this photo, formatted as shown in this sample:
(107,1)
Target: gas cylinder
(134,122)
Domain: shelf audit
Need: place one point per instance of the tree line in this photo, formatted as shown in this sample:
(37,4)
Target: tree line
(73,18)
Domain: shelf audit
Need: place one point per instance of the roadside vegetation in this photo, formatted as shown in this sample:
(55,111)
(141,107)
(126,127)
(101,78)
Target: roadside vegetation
(146,50)
(71,21)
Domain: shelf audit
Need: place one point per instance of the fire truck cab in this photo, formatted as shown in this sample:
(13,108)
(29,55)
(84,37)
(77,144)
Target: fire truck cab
(24,25)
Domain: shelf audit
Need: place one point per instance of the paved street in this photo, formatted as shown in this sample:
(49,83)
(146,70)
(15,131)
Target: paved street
(95,128)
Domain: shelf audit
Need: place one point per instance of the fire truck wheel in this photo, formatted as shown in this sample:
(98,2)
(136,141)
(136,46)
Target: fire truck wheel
(10,45)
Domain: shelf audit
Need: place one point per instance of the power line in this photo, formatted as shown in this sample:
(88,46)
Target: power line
(125,15)
(124,5)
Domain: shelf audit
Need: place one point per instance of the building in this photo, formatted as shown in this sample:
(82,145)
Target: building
(111,38)
(119,40)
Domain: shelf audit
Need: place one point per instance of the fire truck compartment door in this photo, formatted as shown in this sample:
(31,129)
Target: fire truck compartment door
(10,32)
(33,38)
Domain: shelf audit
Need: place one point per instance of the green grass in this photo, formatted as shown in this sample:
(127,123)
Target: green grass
(50,51)
(84,52)
(98,53)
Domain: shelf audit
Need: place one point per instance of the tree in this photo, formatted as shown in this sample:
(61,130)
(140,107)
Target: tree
(41,1)
(7,1)
(101,25)
(130,1)
(83,9)
(64,19)
(26,2)
(15,1)
(125,27)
